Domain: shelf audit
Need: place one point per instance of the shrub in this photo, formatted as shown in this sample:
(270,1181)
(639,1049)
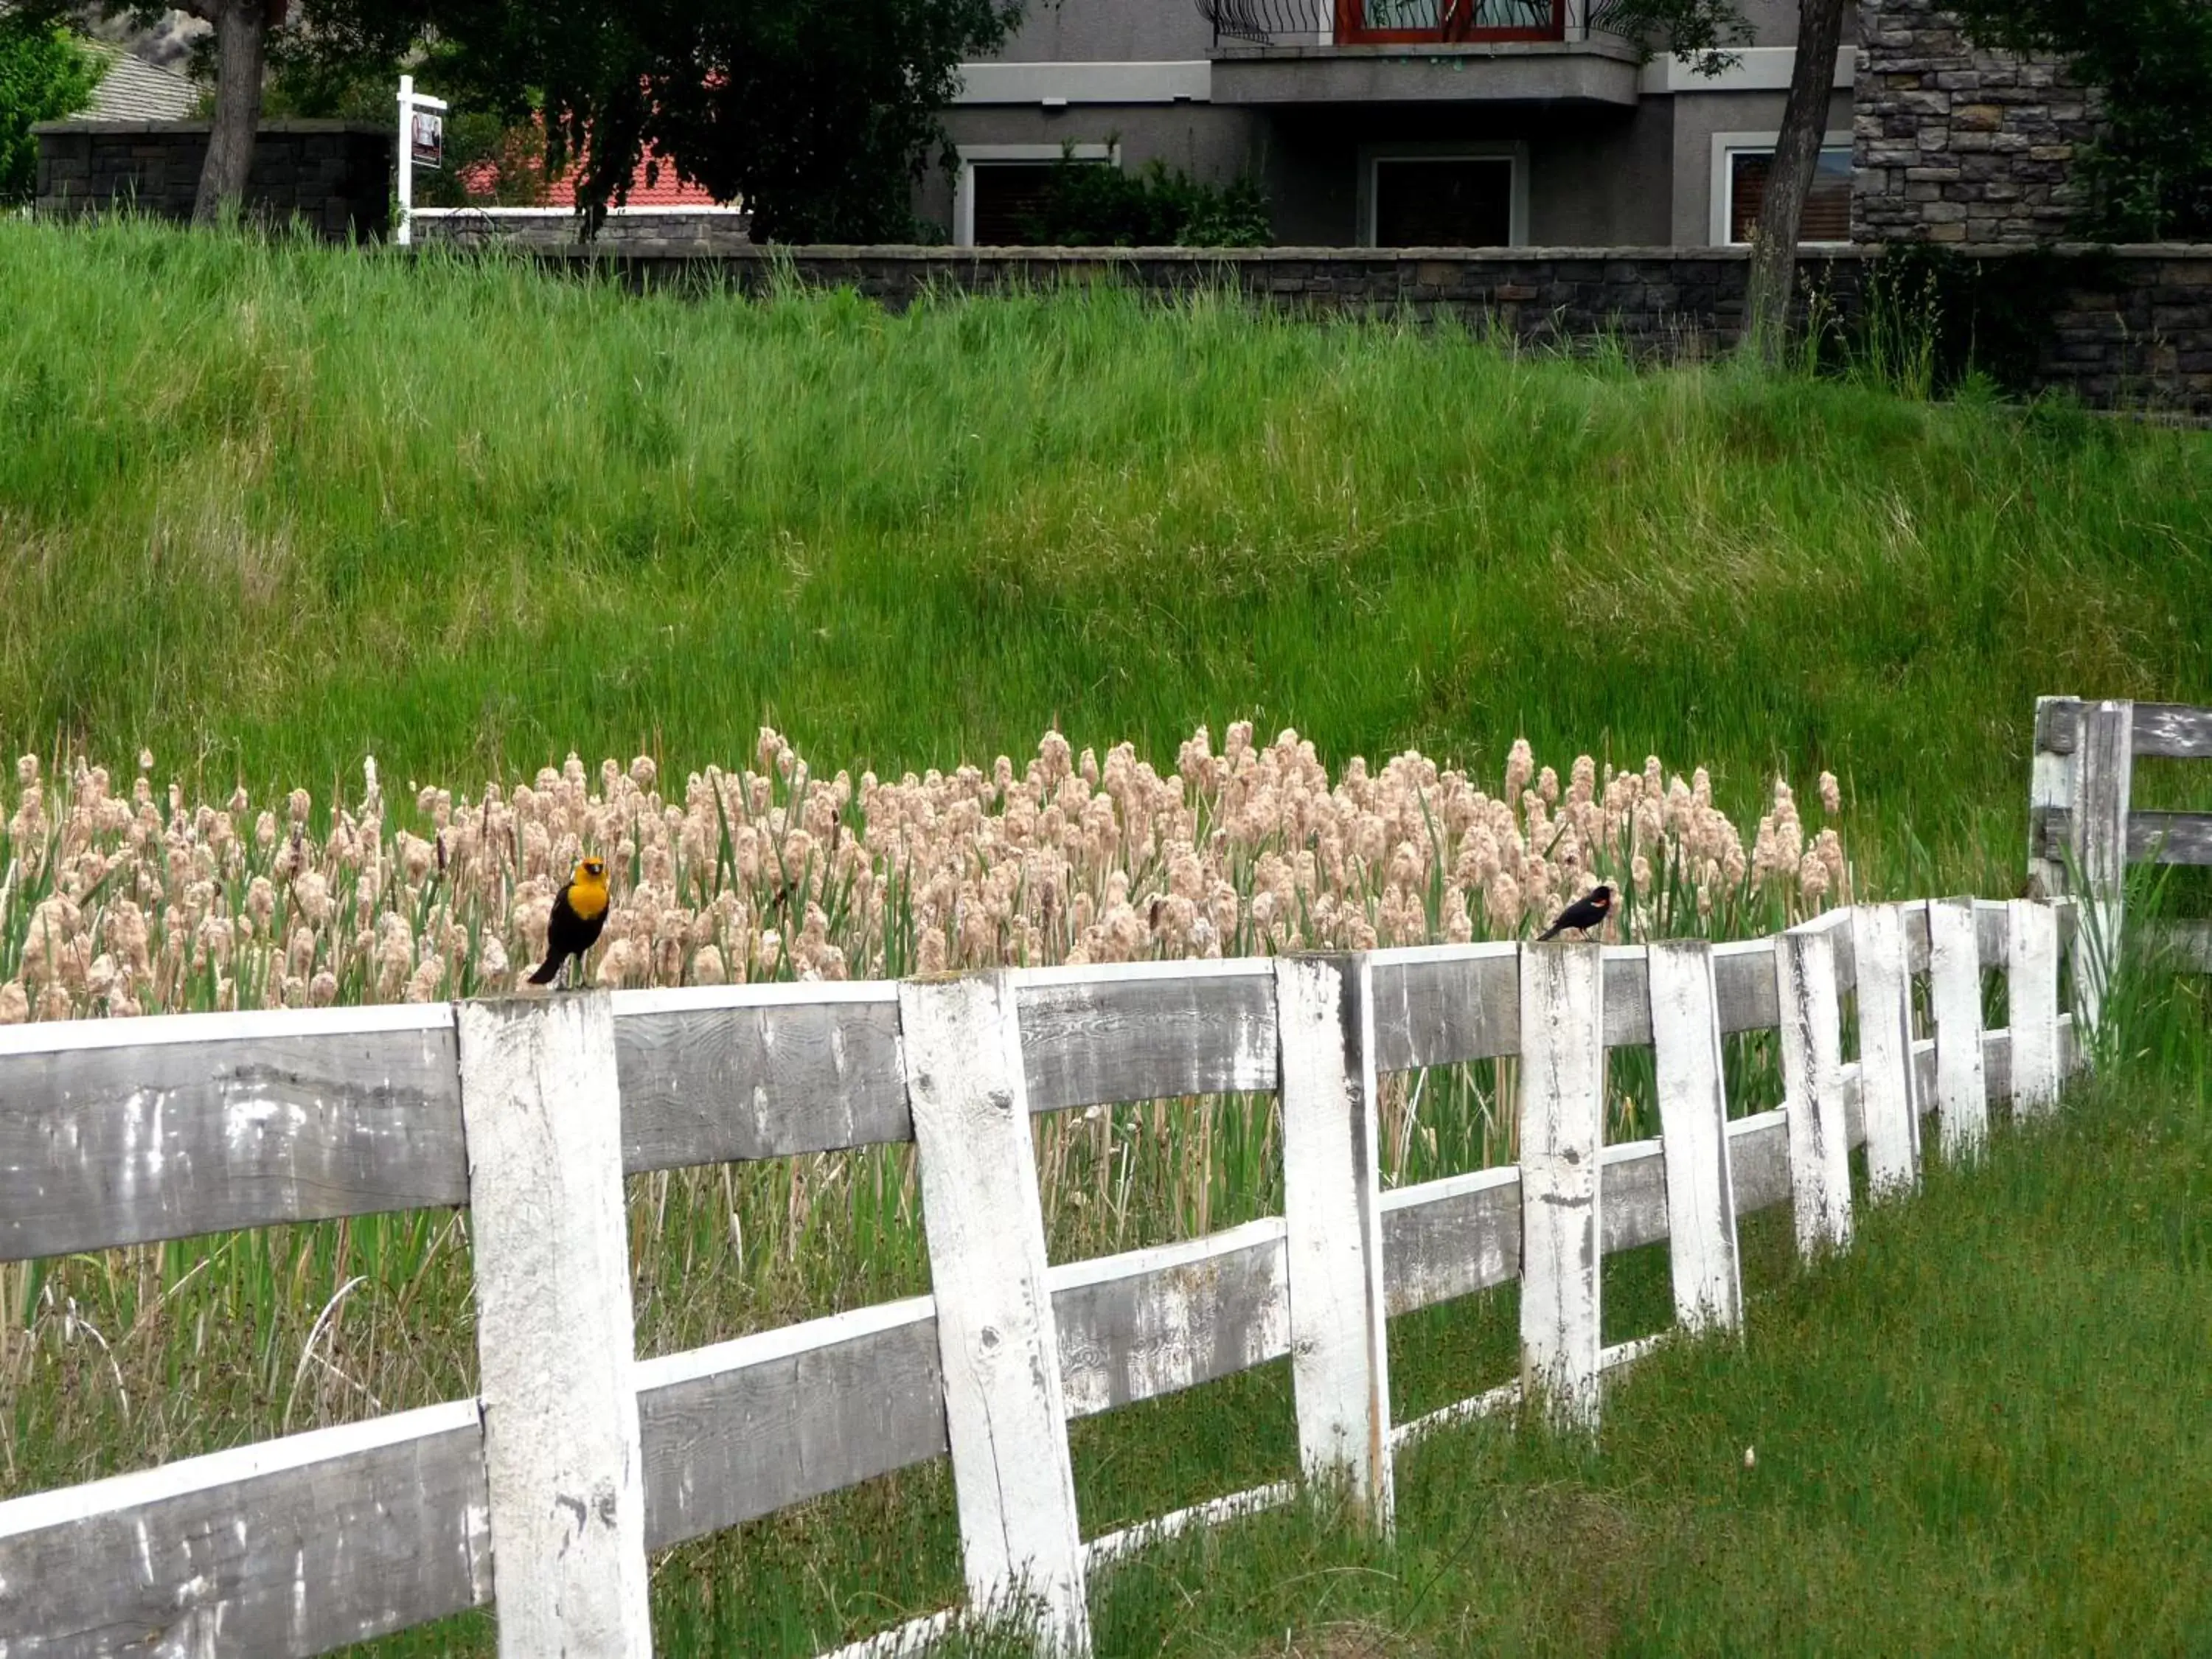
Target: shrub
(1086,205)
(45,74)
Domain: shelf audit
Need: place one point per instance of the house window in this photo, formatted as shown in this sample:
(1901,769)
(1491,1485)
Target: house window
(1827,216)
(1000,186)
(1007,193)
(1443,201)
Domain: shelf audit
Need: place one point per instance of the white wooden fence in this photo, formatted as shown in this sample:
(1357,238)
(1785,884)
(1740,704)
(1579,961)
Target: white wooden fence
(548,1489)
(2083,829)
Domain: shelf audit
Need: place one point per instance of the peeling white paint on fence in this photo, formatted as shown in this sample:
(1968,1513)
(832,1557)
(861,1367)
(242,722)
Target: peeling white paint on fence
(1562,1111)
(1686,1038)
(2031,1002)
(1006,1412)
(1813,1082)
(1888,1089)
(555,1344)
(1954,996)
(1332,1202)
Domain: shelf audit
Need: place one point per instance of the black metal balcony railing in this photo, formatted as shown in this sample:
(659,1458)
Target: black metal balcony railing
(1409,22)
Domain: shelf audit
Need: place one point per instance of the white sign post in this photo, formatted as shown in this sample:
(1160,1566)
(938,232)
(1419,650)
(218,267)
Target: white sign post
(422,135)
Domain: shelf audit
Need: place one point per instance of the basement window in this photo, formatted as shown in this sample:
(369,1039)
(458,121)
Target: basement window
(1827,204)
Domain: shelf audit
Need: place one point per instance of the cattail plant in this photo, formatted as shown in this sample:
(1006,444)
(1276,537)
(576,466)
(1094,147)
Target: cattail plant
(119,902)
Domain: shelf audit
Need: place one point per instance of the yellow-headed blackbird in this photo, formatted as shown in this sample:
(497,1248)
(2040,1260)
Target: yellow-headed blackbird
(1585,913)
(578,915)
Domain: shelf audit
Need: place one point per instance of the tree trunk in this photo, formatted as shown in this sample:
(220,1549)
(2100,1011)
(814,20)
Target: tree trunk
(1796,154)
(241,39)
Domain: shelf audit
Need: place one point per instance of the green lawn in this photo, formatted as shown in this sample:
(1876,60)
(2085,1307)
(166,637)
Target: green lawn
(267,509)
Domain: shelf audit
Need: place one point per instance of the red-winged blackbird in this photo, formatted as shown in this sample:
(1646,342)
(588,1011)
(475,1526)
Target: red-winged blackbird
(578,913)
(1585,913)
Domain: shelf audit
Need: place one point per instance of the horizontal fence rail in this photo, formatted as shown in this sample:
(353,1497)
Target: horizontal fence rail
(119,1132)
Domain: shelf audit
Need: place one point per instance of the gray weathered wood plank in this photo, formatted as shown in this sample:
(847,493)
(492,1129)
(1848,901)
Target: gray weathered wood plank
(1446,1005)
(1450,1237)
(2050,789)
(719,1074)
(2188,943)
(2103,775)
(1147,1031)
(745,1428)
(1441,1006)
(1632,1196)
(222,1120)
(1743,982)
(2169,731)
(289,1548)
(2183,838)
(1135,1327)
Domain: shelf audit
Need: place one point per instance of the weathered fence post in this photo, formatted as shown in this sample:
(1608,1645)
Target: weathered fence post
(1889,1083)
(2032,1004)
(2050,789)
(1004,1408)
(1333,1208)
(1685,1046)
(1812,1080)
(1954,996)
(1562,1135)
(2103,770)
(542,1112)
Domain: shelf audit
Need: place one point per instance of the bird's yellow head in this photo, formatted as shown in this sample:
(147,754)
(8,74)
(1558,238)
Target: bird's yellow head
(587,887)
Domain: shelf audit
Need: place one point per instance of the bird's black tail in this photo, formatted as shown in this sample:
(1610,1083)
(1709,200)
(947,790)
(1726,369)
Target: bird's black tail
(552,970)
(1548,932)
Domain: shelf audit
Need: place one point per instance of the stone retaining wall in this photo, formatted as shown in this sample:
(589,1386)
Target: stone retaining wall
(687,229)
(1953,144)
(334,176)
(2130,328)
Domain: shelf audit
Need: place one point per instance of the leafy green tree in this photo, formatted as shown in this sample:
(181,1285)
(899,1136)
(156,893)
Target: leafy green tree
(2149,172)
(45,73)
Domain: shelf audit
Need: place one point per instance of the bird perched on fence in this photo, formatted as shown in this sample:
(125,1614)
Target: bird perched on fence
(1587,912)
(578,913)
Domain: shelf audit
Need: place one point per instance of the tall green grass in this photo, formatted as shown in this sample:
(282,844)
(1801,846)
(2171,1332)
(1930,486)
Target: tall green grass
(271,505)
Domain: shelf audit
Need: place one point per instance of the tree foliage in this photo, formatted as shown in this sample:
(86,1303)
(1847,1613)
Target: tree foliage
(2148,174)
(45,73)
(819,114)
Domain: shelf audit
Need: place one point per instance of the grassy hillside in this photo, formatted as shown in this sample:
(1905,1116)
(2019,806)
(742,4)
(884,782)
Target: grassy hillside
(267,509)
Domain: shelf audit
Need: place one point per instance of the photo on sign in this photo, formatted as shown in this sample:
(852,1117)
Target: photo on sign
(428,141)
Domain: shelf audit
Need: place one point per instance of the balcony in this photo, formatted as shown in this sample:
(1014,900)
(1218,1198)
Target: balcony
(1419,51)
(1298,25)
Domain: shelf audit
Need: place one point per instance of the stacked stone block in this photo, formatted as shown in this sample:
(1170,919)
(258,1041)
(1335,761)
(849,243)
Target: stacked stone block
(1956,143)
(334,176)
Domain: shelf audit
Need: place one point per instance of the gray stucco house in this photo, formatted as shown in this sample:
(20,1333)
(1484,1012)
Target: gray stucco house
(1392,123)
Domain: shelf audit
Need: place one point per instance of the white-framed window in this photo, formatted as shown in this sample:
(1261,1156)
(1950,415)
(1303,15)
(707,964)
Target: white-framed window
(1444,195)
(1742,161)
(999,184)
